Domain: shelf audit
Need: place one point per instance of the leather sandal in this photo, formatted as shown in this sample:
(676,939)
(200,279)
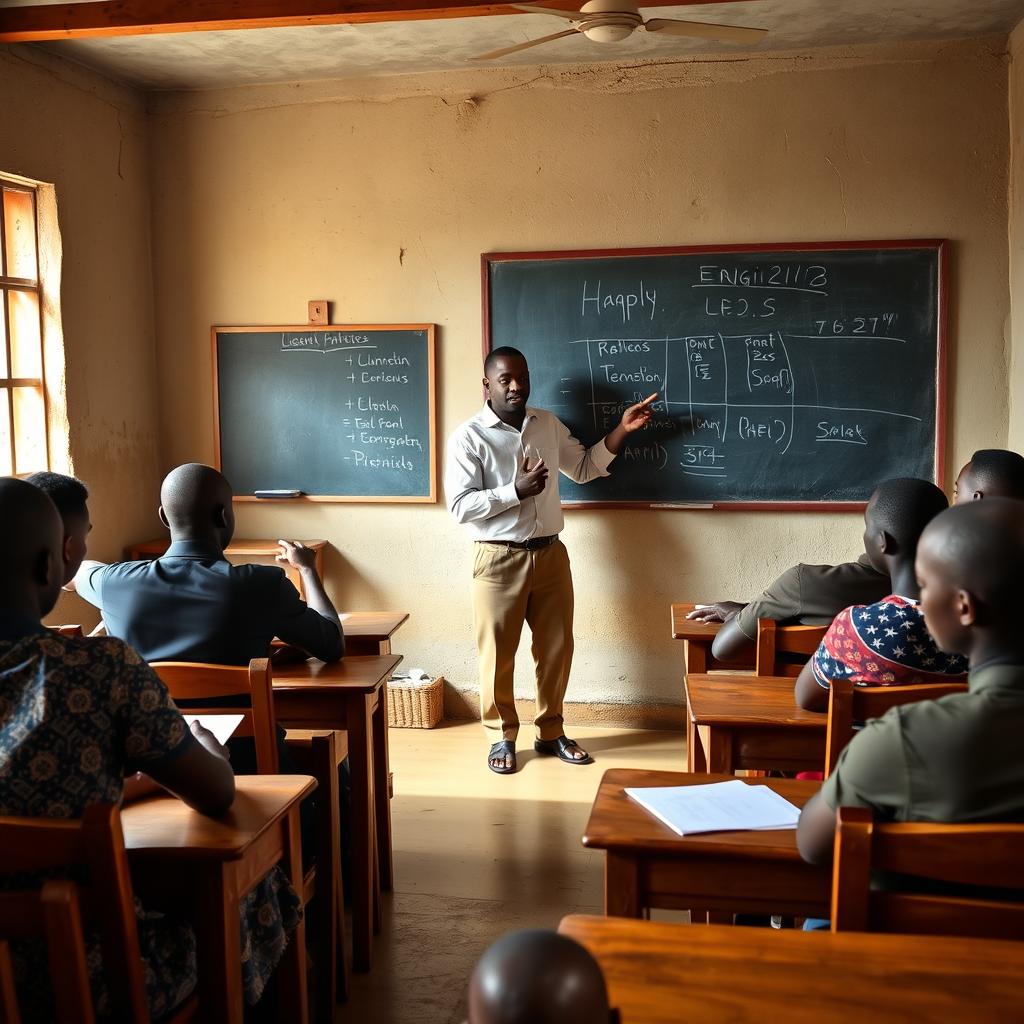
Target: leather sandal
(562,749)
(503,748)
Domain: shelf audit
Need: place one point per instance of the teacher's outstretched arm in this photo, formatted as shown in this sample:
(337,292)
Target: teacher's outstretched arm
(636,417)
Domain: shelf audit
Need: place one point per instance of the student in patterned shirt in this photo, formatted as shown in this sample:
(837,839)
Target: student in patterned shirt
(79,715)
(885,643)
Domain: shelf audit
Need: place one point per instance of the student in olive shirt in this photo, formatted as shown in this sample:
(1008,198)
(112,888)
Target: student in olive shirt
(991,473)
(957,759)
(808,594)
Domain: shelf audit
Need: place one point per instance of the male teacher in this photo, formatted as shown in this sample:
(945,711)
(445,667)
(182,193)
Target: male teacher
(497,483)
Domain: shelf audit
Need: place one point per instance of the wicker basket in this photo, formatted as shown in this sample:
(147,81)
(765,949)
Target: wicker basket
(415,707)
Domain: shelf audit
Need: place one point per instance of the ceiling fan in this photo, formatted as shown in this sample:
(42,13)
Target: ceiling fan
(608,21)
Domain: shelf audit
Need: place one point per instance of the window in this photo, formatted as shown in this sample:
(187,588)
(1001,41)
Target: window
(23,420)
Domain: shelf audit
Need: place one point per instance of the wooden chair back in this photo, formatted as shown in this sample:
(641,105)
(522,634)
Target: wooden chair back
(849,704)
(96,844)
(986,855)
(783,650)
(52,913)
(189,681)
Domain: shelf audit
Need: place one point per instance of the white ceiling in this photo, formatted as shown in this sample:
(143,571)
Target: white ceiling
(204,60)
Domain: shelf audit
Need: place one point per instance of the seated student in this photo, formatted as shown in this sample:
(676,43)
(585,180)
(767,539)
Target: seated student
(76,716)
(192,604)
(885,643)
(70,496)
(991,473)
(538,977)
(957,759)
(809,594)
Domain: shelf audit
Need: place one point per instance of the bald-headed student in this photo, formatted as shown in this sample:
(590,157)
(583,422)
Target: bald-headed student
(991,473)
(957,759)
(192,604)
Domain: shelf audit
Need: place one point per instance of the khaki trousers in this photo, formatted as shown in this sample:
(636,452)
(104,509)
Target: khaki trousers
(511,587)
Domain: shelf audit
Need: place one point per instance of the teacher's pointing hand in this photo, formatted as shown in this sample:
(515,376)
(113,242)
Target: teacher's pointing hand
(636,417)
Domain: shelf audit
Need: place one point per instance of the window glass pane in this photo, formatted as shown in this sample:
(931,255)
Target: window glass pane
(29,430)
(23,323)
(5,433)
(20,233)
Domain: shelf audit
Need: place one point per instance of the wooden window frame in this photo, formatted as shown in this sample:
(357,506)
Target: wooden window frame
(34,286)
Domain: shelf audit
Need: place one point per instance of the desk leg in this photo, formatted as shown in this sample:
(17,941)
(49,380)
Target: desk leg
(718,749)
(382,803)
(293,998)
(218,944)
(695,761)
(621,885)
(358,721)
(697,655)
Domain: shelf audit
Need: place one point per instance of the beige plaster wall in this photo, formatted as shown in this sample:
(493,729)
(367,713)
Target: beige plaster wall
(264,198)
(89,138)
(1015,235)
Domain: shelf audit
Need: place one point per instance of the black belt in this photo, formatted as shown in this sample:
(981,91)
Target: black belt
(533,544)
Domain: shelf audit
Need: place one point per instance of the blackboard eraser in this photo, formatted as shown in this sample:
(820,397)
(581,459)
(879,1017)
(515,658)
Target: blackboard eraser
(279,493)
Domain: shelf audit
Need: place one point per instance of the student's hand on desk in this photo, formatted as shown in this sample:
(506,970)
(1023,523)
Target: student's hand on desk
(720,612)
(295,553)
(208,740)
(139,785)
(287,654)
(636,417)
(530,481)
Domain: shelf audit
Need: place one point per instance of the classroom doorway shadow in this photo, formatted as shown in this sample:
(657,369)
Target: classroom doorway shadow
(632,740)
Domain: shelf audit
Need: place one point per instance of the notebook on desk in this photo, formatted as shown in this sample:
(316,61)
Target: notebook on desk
(717,807)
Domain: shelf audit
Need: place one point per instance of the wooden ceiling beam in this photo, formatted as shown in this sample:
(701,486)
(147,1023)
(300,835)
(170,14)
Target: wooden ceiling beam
(106,18)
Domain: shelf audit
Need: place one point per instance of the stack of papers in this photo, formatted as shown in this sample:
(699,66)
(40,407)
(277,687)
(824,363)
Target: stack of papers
(717,807)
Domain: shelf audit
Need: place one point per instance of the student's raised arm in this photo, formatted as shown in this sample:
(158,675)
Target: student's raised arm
(315,626)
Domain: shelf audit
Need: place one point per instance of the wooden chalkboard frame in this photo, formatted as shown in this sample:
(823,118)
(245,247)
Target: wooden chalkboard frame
(420,499)
(941,247)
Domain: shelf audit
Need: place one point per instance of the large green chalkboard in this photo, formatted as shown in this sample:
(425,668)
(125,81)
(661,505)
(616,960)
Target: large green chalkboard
(340,413)
(787,375)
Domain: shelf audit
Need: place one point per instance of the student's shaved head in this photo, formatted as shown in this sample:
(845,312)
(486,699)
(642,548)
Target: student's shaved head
(991,473)
(979,548)
(195,501)
(31,543)
(538,977)
(904,506)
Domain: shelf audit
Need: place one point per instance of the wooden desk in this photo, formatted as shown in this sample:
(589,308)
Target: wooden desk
(210,864)
(699,637)
(648,865)
(370,632)
(661,973)
(238,551)
(349,694)
(736,721)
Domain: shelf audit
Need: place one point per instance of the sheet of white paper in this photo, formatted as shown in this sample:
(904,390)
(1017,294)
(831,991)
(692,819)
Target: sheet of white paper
(222,726)
(717,807)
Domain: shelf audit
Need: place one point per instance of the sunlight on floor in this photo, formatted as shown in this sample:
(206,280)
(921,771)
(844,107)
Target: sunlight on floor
(478,854)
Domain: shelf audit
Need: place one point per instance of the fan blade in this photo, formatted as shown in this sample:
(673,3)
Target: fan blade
(704,30)
(534,9)
(494,54)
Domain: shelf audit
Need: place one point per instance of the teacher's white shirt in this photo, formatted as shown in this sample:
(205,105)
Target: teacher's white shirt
(480,473)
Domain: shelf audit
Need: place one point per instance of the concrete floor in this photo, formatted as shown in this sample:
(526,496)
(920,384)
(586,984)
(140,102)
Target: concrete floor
(477,854)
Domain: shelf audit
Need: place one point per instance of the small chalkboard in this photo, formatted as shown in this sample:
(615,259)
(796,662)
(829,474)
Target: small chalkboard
(340,413)
(795,376)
